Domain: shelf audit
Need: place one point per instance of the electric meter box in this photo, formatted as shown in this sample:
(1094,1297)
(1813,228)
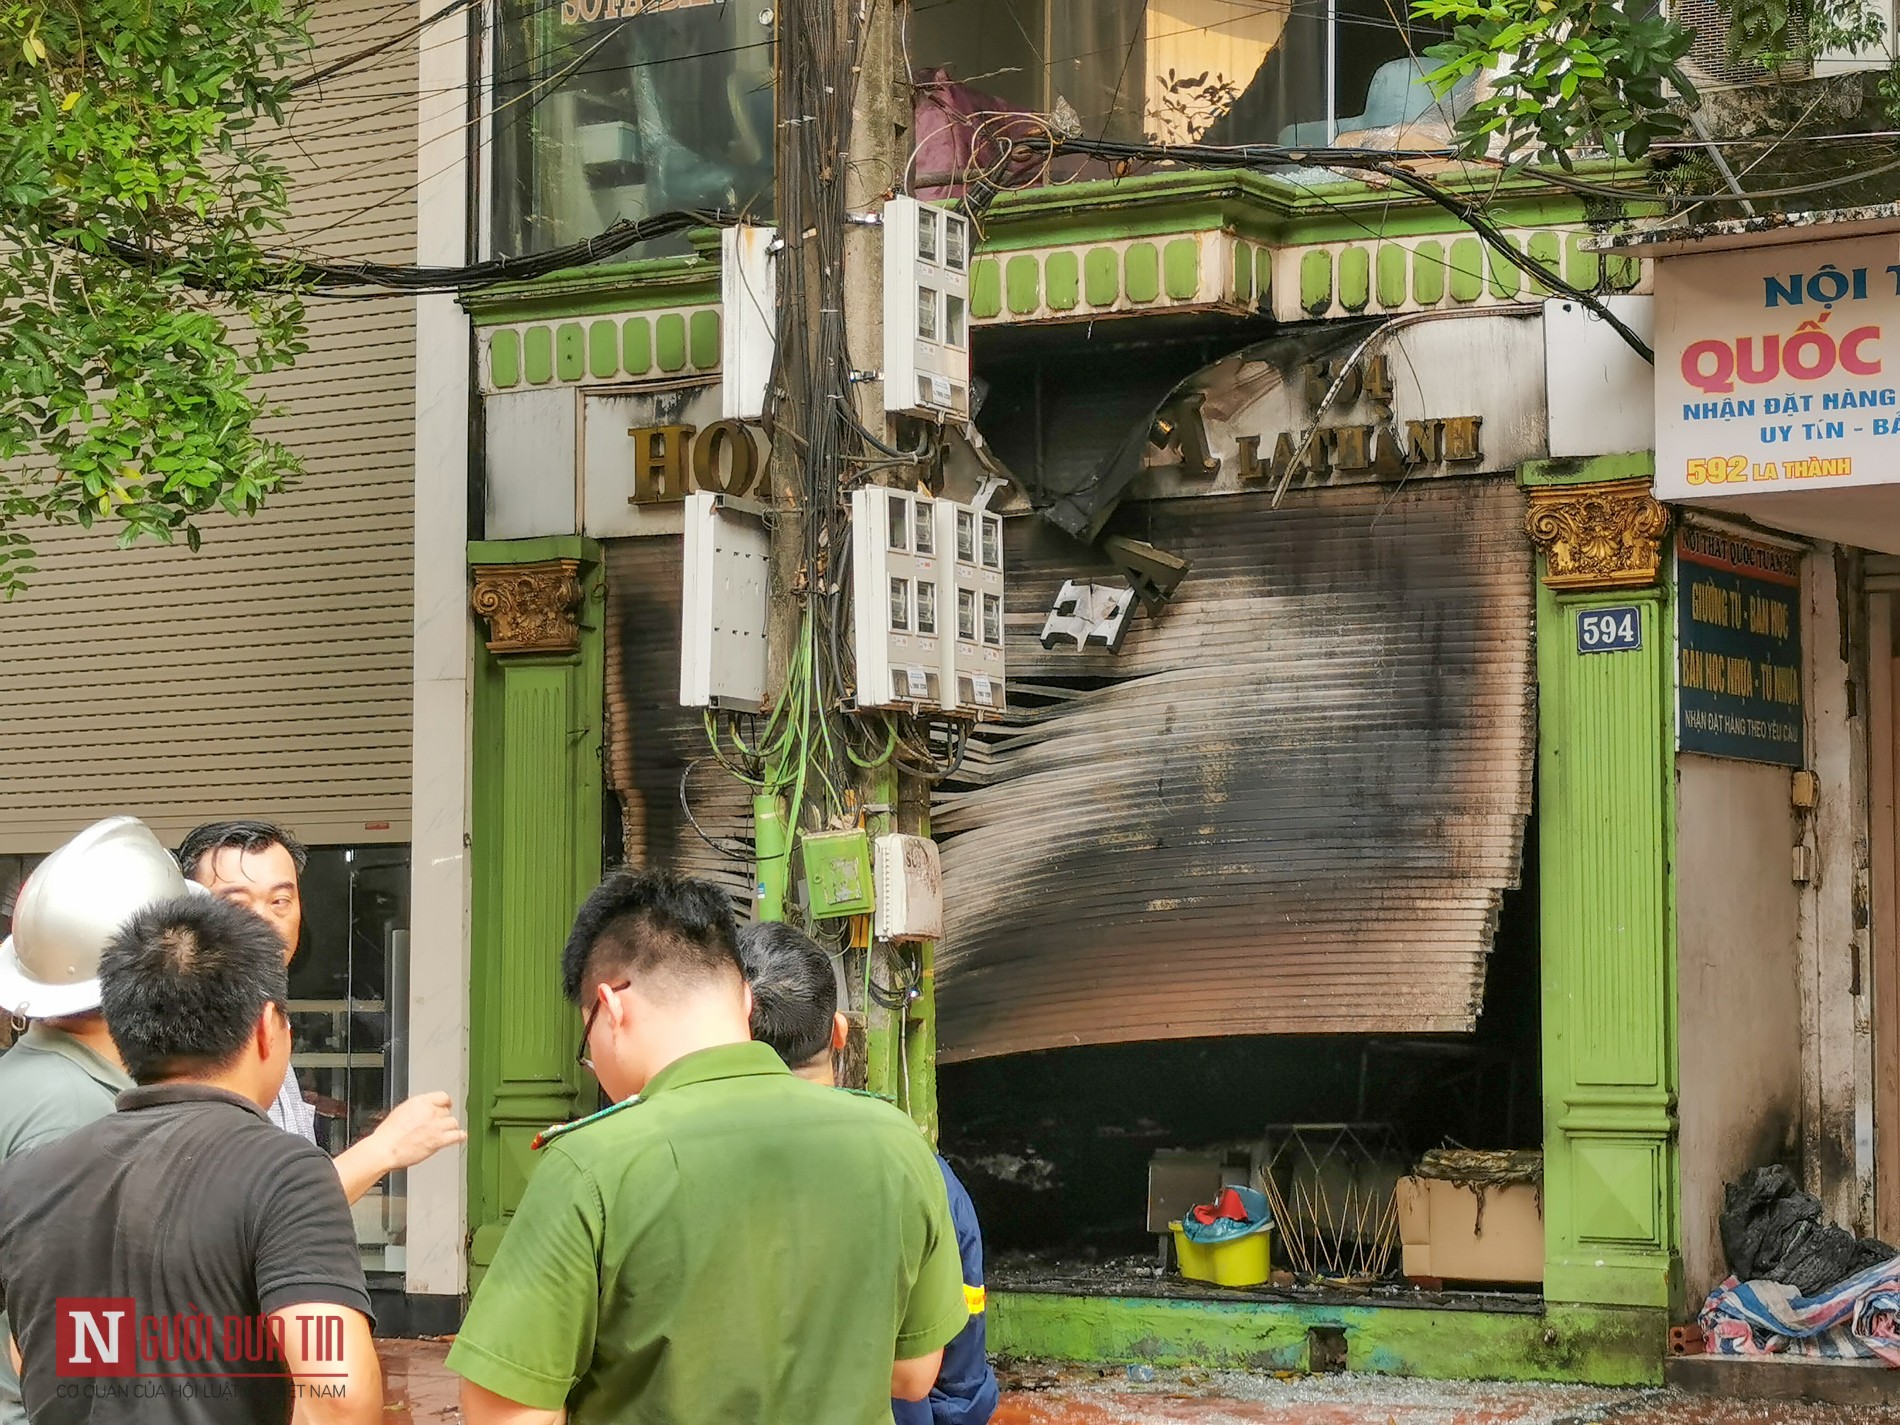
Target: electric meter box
(897,599)
(724,603)
(748,329)
(837,874)
(927,604)
(926,310)
(909,888)
(972,541)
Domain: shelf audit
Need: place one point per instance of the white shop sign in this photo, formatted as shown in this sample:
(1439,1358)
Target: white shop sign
(1778,370)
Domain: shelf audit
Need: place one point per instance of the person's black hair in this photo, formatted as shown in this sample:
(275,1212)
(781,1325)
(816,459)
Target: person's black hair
(651,927)
(183,983)
(214,836)
(794,991)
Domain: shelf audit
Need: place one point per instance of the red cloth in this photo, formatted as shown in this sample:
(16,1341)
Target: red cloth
(1226,1205)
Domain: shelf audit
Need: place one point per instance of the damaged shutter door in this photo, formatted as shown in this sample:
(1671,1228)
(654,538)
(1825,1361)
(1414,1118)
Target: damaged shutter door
(659,761)
(1290,805)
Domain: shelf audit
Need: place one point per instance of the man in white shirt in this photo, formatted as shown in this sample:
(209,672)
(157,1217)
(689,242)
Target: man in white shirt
(256,865)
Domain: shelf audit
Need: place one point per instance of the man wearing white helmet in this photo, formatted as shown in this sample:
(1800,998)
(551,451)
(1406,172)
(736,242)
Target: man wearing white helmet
(64,1071)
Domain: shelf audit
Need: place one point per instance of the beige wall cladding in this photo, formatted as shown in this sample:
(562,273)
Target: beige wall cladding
(270,673)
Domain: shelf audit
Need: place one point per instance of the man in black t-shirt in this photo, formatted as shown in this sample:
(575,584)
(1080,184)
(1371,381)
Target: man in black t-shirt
(182,1260)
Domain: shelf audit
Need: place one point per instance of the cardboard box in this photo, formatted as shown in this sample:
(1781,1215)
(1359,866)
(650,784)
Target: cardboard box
(1444,1240)
(1179,1180)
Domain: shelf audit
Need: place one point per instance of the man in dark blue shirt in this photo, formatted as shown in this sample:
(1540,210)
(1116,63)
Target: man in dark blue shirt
(795,1011)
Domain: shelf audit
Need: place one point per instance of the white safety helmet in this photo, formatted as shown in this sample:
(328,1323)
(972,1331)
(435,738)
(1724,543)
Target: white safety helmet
(72,905)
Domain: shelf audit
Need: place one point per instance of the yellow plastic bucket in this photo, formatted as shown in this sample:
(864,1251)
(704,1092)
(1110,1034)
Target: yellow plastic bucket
(1239,1261)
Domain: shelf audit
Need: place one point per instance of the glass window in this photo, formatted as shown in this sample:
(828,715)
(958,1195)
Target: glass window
(608,109)
(966,615)
(926,606)
(993,619)
(1212,71)
(966,536)
(349,1016)
(926,527)
(900,605)
(992,542)
(953,320)
(897,521)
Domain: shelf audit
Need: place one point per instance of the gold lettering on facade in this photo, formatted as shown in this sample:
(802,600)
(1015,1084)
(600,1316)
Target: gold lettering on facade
(1247,458)
(1461,439)
(659,463)
(1352,448)
(740,461)
(1422,441)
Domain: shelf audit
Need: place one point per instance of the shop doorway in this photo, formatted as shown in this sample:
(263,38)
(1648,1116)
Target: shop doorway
(1065,1150)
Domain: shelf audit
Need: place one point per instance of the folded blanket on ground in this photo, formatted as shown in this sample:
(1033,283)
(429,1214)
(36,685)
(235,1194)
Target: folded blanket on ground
(1856,1319)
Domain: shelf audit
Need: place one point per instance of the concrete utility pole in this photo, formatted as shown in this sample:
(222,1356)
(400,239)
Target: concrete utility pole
(864,164)
(899,1044)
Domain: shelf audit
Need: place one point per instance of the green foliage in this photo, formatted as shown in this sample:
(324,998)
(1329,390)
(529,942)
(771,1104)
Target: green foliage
(1778,33)
(1571,74)
(137,300)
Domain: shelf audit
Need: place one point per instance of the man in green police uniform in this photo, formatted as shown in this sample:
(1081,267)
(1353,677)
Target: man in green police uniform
(734,1243)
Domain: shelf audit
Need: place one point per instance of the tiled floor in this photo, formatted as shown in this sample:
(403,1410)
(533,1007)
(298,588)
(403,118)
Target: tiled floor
(421,1391)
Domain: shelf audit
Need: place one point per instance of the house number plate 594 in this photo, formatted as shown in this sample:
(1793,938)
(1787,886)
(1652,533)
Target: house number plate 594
(1618,630)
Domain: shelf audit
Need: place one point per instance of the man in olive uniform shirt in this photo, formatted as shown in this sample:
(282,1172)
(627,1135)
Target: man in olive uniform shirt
(734,1244)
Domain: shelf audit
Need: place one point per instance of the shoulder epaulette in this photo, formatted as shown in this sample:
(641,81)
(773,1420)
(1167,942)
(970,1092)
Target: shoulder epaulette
(561,1130)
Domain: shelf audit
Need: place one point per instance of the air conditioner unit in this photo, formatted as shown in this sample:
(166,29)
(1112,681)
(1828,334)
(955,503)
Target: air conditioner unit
(1709,61)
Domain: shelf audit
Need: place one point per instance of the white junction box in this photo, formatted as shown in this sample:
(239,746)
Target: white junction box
(723,603)
(926,310)
(748,300)
(972,539)
(927,603)
(909,882)
(897,596)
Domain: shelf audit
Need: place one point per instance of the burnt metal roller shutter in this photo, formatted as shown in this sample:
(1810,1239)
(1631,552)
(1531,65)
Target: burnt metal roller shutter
(1289,806)
(270,674)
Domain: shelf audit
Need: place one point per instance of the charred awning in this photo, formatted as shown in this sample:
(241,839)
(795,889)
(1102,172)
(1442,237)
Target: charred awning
(1290,805)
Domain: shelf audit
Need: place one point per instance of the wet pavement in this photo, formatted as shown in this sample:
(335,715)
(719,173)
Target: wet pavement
(421,1391)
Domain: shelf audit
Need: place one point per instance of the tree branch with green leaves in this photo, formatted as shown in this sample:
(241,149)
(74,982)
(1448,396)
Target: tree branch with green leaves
(1571,76)
(138,301)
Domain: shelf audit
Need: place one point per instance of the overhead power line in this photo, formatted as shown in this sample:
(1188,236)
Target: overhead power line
(328,274)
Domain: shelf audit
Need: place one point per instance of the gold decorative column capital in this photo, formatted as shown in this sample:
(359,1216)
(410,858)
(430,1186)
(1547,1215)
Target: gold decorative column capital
(1600,536)
(530,608)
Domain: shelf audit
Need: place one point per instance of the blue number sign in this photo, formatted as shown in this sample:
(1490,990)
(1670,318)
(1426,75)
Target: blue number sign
(1618,630)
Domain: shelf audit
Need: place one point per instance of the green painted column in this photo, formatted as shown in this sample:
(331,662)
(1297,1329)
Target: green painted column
(535,854)
(1605,831)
